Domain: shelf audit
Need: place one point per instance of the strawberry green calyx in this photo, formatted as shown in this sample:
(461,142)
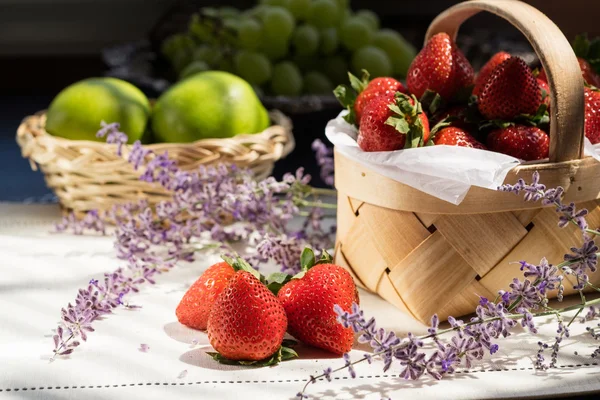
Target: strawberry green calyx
(540,119)
(239,264)
(406,119)
(589,50)
(274,281)
(346,94)
(285,352)
(308,260)
(432,101)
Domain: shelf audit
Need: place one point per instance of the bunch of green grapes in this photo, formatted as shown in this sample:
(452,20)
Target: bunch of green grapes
(289,47)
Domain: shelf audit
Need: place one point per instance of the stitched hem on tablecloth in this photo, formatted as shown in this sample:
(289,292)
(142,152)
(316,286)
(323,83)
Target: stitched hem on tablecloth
(32,388)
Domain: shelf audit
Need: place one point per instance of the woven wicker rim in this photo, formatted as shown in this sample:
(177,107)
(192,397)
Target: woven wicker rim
(88,175)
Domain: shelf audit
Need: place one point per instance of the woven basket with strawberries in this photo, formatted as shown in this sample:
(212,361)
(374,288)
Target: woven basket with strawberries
(426,255)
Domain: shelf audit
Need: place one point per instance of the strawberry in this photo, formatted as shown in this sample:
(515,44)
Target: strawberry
(588,73)
(439,67)
(545,92)
(453,136)
(194,308)
(361,91)
(510,90)
(376,88)
(309,301)
(487,69)
(247,322)
(387,122)
(520,141)
(592,114)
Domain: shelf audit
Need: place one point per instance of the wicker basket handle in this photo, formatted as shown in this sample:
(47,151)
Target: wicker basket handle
(557,58)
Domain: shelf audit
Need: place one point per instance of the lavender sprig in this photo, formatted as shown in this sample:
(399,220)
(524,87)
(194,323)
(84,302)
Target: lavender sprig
(211,207)
(526,299)
(324,156)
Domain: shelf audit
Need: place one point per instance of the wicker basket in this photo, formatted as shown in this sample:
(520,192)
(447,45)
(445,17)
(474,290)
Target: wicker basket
(87,175)
(427,256)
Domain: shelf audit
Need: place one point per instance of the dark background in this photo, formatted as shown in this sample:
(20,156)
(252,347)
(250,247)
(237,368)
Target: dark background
(47,44)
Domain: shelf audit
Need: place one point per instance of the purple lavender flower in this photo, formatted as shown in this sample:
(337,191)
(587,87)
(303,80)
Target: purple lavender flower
(284,250)
(349,365)
(113,135)
(571,214)
(324,156)
(137,154)
(524,294)
(584,258)
(545,275)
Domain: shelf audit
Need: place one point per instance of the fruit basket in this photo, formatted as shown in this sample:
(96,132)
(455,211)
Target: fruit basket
(428,256)
(88,175)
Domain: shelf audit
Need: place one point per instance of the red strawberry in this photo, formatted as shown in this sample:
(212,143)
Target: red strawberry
(440,67)
(376,88)
(247,321)
(510,90)
(520,141)
(588,73)
(545,91)
(194,308)
(388,121)
(592,114)
(309,301)
(453,136)
(487,69)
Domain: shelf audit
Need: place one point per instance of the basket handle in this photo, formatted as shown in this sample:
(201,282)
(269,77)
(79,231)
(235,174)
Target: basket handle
(557,58)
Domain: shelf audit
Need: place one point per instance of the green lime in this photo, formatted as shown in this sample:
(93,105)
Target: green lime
(77,111)
(211,104)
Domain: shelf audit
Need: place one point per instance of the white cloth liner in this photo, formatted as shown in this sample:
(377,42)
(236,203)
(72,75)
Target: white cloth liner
(446,172)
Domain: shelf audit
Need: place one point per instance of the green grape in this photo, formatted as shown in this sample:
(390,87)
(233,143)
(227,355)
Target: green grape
(344,16)
(373,59)
(317,83)
(305,40)
(257,11)
(280,3)
(228,12)
(336,68)
(176,44)
(180,61)
(210,55)
(400,52)
(275,48)
(278,22)
(343,4)
(286,80)
(193,68)
(355,33)
(299,8)
(306,63)
(253,67)
(323,13)
(369,17)
(199,29)
(329,40)
(249,33)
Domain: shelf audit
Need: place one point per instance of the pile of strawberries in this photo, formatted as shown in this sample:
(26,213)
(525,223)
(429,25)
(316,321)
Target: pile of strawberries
(247,315)
(505,108)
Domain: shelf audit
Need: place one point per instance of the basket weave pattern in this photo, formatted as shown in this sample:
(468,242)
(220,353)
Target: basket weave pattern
(436,263)
(88,175)
(428,256)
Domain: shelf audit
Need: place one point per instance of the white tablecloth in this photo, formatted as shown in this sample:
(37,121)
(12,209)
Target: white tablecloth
(40,272)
